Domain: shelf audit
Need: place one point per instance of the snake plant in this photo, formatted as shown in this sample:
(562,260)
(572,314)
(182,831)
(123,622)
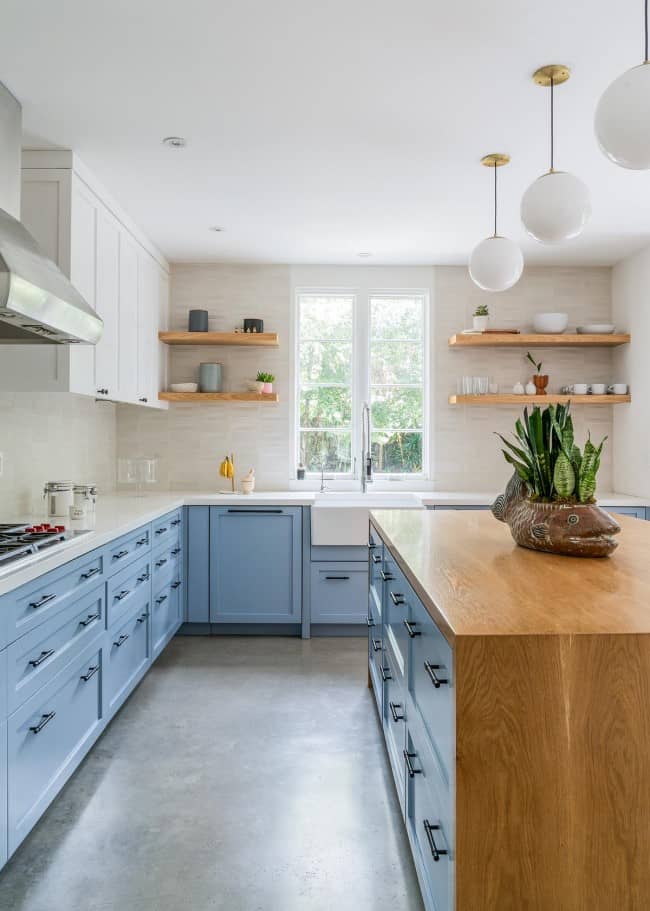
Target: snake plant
(546,457)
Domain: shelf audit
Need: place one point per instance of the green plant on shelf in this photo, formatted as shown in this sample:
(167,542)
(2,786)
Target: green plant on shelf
(264,377)
(482,310)
(536,365)
(547,459)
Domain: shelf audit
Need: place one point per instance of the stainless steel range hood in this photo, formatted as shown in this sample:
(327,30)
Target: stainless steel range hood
(38,303)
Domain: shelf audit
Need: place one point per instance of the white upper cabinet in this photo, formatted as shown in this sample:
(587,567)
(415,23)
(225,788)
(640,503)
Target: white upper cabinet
(121,275)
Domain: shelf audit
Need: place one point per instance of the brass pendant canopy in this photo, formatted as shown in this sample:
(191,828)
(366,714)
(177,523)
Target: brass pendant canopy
(495,160)
(557,72)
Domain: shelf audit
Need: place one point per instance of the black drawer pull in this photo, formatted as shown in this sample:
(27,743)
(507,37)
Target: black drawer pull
(370,622)
(161,531)
(394,706)
(120,596)
(376,645)
(91,572)
(141,541)
(175,522)
(143,577)
(122,639)
(41,658)
(409,765)
(120,554)
(161,599)
(397,598)
(257,512)
(92,670)
(89,619)
(161,562)
(385,673)
(176,584)
(433,677)
(45,719)
(176,551)
(376,558)
(337,578)
(435,850)
(42,601)
(409,624)
(371,545)
(142,617)
(386,577)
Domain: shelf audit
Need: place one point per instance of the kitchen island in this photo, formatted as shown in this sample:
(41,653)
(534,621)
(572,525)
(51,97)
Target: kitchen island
(514,690)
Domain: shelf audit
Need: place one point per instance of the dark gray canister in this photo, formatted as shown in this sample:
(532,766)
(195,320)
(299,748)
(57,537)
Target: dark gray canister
(198,320)
(210,378)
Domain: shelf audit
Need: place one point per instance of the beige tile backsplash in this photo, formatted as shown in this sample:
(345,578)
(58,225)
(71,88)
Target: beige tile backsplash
(190,440)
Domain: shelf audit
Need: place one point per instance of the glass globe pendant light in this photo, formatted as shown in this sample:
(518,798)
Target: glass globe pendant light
(622,121)
(556,206)
(496,263)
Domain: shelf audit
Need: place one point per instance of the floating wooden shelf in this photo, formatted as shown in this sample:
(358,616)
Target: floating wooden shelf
(512,399)
(534,340)
(218,397)
(236,339)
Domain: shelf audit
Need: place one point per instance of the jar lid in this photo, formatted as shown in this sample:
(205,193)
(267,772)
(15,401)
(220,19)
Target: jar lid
(85,488)
(59,485)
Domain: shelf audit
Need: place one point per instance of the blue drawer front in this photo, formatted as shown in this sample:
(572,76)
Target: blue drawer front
(255,565)
(165,615)
(198,564)
(394,717)
(41,599)
(128,654)
(4,842)
(127,549)
(167,560)
(47,738)
(166,528)
(131,586)
(3,685)
(35,658)
(339,592)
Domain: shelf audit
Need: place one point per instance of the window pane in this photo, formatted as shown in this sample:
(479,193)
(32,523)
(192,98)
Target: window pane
(396,317)
(396,362)
(325,362)
(325,317)
(325,406)
(397,453)
(396,408)
(331,448)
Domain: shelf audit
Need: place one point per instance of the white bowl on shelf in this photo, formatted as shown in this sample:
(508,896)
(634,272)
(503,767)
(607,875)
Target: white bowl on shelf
(183,387)
(596,329)
(550,323)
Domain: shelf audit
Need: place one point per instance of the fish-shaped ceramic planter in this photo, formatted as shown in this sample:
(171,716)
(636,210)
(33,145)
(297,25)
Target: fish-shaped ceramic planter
(575,530)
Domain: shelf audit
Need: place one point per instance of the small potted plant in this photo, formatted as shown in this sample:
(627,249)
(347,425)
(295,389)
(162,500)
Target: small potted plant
(540,380)
(549,502)
(481,318)
(259,382)
(266,379)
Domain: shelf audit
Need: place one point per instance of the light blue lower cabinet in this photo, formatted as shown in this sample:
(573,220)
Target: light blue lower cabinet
(638,512)
(339,592)
(127,656)
(256,565)
(4,845)
(165,615)
(198,564)
(48,736)
(394,718)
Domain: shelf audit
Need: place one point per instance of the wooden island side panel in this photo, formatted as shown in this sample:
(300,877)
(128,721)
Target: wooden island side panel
(553,773)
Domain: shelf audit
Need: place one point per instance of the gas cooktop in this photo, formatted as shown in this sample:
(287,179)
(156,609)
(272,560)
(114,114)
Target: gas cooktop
(20,541)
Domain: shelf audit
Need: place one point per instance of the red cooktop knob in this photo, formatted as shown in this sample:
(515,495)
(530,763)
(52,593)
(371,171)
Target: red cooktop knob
(59,527)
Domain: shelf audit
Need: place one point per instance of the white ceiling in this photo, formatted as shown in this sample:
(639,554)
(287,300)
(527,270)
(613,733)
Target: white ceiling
(320,129)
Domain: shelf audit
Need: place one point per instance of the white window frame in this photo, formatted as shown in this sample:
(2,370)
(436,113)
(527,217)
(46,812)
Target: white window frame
(360,387)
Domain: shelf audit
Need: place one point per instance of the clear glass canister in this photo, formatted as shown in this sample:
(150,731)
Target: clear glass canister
(59,498)
(85,498)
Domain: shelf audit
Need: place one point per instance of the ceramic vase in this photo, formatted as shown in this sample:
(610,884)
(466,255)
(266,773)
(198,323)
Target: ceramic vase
(480,323)
(541,382)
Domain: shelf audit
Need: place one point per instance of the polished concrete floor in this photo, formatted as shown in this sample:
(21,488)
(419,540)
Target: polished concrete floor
(243,774)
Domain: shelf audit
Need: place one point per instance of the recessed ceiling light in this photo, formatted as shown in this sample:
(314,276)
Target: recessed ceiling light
(364,255)
(175,142)
(217,228)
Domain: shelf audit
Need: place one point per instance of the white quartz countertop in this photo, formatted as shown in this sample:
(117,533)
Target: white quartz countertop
(121,513)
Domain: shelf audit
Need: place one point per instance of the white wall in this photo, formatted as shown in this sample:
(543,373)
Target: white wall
(631,313)
(191,440)
(52,436)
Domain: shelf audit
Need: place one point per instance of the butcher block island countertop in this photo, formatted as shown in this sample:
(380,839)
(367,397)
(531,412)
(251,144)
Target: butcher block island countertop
(551,688)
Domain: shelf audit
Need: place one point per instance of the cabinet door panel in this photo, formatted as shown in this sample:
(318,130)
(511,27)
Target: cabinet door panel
(127,360)
(255,565)
(107,300)
(198,564)
(148,303)
(3,794)
(83,275)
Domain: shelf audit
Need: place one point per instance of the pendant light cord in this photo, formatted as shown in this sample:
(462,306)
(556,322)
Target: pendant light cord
(552,119)
(646,32)
(495,199)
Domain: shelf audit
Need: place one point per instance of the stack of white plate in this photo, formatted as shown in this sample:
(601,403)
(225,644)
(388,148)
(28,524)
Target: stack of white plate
(596,329)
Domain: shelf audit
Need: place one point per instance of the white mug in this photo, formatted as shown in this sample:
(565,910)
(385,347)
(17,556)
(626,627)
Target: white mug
(618,389)
(579,389)
(598,388)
